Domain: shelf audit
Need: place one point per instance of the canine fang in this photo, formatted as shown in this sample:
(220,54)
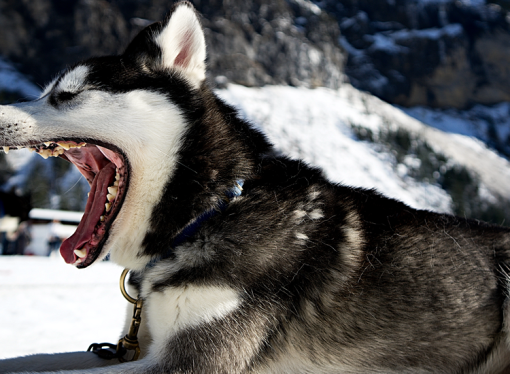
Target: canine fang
(82,253)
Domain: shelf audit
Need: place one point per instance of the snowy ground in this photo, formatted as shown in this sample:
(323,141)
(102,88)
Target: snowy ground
(49,306)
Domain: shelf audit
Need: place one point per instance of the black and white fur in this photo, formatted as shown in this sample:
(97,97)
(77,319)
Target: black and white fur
(296,275)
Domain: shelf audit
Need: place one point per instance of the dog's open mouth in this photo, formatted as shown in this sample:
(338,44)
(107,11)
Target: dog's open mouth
(105,168)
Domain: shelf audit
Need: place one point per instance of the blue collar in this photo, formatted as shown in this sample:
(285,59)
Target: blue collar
(190,230)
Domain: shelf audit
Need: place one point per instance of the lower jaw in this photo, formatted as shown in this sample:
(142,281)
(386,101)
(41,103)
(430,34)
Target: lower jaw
(95,251)
(108,188)
(91,228)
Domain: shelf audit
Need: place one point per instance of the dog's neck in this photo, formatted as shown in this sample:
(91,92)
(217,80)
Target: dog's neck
(205,170)
(189,231)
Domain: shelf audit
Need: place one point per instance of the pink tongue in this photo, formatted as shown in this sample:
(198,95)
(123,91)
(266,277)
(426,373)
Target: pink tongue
(93,211)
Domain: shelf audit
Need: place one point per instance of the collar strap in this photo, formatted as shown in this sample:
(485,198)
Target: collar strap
(193,227)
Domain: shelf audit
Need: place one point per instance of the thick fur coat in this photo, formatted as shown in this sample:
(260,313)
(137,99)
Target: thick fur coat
(293,275)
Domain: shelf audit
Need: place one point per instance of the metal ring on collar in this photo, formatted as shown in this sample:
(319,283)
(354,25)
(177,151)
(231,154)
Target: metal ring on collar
(123,287)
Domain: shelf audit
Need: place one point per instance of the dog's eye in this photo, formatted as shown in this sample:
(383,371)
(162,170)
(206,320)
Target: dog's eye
(65,96)
(62,97)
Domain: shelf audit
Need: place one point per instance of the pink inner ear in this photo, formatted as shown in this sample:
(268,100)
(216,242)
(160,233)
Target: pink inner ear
(184,56)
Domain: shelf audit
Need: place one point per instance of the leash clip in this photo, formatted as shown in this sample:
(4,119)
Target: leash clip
(130,341)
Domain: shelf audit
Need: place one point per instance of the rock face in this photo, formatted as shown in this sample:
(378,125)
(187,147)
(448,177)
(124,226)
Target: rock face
(438,53)
(432,53)
(251,42)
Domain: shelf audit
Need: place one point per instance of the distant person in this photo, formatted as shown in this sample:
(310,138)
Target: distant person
(23,238)
(9,243)
(54,239)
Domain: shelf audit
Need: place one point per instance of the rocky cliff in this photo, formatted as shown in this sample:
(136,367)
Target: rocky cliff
(438,53)
(251,42)
(432,53)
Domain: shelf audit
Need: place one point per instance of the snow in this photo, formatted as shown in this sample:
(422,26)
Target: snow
(473,3)
(475,122)
(19,158)
(451,30)
(465,134)
(315,125)
(12,80)
(61,215)
(388,41)
(49,306)
(307,4)
(492,169)
(384,42)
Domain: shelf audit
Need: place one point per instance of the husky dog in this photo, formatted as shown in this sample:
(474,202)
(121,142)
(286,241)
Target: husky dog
(291,274)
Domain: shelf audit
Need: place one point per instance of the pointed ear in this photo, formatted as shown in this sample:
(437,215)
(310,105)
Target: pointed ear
(182,43)
(177,44)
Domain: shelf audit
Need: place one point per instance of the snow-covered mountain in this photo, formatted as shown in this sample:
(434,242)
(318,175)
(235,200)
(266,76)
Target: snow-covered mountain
(360,140)
(319,126)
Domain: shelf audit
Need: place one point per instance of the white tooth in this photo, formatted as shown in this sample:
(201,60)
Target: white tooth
(64,145)
(116,183)
(110,197)
(101,218)
(113,190)
(31,149)
(47,144)
(78,261)
(88,194)
(108,206)
(44,154)
(81,253)
(6,150)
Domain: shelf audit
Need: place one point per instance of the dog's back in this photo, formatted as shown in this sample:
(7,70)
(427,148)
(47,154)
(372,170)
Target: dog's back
(369,281)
